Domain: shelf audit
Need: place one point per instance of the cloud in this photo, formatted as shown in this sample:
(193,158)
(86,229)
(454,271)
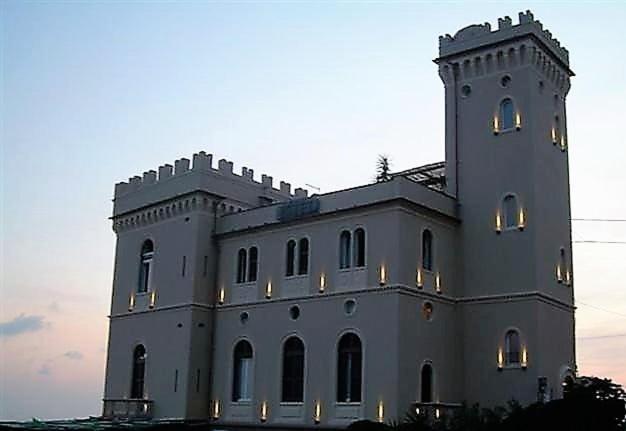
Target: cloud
(74,354)
(45,370)
(20,325)
(54,307)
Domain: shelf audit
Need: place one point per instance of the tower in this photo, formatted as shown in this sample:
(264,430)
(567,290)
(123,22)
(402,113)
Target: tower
(507,165)
(162,308)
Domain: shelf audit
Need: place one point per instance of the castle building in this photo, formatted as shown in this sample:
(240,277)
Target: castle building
(242,303)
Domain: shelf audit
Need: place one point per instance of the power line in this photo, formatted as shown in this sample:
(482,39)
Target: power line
(598,242)
(601,309)
(597,337)
(618,220)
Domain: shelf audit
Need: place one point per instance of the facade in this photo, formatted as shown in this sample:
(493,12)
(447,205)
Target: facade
(242,303)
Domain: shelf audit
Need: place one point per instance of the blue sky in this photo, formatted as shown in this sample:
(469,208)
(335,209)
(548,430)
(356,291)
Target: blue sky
(308,92)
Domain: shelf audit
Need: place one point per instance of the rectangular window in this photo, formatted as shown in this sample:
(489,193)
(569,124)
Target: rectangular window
(198,380)
(205,269)
(176,380)
(184,269)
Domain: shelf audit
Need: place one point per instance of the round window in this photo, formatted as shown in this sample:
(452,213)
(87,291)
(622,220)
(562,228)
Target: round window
(505,81)
(294,312)
(427,310)
(349,307)
(244,317)
(466,90)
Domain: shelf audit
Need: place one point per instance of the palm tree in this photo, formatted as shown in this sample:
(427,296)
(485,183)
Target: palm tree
(383,168)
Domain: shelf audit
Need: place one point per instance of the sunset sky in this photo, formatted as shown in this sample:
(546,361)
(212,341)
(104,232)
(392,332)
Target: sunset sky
(96,92)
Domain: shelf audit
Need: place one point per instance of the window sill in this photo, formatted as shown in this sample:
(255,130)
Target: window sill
(296,276)
(291,403)
(246,284)
(511,367)
(243,403)
(347,404)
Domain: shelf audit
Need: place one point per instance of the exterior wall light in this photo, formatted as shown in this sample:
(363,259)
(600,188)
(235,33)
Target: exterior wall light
(496,125)
(418,411)
(518,121)
(524,362)
(317,412)
(563,146)
(383,275)
(438,282)
(268,290)
(322,283)
(437,413)
(554,139)
(152,299)
(263,411)
(500,360)
(131,302)
(498,222)
(380,412)
(559,274)
(521,219)
(216,409)
(568,278)
(220,296)
(419,278)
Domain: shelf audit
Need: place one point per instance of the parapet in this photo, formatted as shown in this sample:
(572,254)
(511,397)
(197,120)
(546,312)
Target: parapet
(198,174)
(480,35)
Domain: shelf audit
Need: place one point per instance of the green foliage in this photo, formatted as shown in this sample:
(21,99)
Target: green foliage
(383,169)
(590,404)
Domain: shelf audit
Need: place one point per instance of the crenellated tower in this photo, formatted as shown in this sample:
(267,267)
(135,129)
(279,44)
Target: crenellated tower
(507,165)
(162,309)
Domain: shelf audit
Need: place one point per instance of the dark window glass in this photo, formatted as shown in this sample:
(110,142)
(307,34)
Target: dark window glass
(253,266)
(427,383)
(303,257)
(359,248)
(427,250)
(510,211)
(139,369)
(349,357)
(184,269)
(512,345)
(291,258)
(507,114)
(293,371)
(344,250)
(241,266)
(242,371)
(147,253)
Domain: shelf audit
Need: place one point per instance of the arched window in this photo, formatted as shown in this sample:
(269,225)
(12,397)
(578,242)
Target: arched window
(507,114)
(253,264)
(291,258)
(293,371)
(303,257)
(427,384)
(241,265)
(139,370)
(242,372)
(349,358)
(344,250)
(359,248)
(427,250)
(147,253)
(512,347)
(509,208)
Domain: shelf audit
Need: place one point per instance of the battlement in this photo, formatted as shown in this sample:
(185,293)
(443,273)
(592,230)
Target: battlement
(199,174)
(480,35)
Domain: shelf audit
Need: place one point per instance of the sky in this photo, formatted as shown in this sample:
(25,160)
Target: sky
(308,92)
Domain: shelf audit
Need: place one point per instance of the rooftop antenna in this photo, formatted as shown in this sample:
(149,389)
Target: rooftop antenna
(313,187)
